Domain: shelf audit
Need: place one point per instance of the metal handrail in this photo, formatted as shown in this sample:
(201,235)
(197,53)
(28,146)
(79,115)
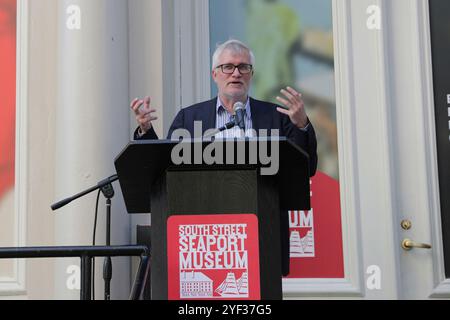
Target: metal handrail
(142,276)
(86,253)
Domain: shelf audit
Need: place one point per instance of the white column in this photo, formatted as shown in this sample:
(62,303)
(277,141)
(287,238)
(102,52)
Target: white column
(92,128)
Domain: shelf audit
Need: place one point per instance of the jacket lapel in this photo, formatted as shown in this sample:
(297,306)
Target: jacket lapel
(260,119)
(209,120)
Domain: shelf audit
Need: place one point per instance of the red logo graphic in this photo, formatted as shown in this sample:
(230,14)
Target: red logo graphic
(302,234)
(213,257)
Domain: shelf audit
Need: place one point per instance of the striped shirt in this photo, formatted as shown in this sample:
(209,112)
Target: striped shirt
(223,117)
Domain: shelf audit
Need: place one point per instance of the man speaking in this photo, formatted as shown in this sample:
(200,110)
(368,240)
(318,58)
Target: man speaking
(232,70)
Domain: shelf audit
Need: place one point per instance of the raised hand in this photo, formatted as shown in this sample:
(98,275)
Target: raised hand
(144,113)
(295,107)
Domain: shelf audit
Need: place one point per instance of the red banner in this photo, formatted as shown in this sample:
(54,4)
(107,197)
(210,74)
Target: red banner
(7,93)
(316,235)
(213,257)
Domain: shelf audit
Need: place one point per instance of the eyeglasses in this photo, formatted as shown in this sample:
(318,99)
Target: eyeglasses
(229,68)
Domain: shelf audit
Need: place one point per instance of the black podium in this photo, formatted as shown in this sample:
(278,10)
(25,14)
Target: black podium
(151,182)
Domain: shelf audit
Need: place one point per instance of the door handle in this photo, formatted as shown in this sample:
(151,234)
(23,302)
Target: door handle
(408,245)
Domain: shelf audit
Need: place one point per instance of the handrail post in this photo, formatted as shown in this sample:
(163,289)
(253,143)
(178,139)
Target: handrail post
(86,265)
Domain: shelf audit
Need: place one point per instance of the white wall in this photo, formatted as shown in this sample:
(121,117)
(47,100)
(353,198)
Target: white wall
(75,90)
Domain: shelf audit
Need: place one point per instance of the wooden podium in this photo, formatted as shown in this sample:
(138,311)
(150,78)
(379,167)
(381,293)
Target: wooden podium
(180,196)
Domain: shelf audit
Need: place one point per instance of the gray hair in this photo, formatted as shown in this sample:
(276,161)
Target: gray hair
(234,46)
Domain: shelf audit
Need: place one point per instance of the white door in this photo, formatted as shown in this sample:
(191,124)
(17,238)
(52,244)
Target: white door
(392,112)
(419,148)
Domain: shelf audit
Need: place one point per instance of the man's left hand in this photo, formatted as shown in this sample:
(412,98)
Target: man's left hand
(295,107)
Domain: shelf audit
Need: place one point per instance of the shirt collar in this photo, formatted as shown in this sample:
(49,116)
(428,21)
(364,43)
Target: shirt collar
(219,106)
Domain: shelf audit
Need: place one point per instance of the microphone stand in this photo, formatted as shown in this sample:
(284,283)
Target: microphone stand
(108,191)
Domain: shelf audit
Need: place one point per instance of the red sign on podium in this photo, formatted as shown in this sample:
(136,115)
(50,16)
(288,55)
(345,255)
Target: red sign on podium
(213,257)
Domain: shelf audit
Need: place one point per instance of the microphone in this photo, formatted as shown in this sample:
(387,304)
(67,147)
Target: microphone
(239,110)
(227,126)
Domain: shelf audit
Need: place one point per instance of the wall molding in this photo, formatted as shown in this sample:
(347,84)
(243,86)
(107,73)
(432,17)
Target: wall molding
(192,61)
(16,285)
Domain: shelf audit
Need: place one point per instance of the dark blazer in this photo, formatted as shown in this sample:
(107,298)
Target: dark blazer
(264,116)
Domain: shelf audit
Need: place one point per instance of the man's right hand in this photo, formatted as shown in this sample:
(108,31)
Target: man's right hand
(144,114)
